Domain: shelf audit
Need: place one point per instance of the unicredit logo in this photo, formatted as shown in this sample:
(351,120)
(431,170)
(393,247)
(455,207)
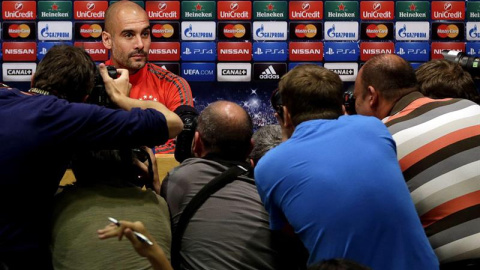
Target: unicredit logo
(447,6)
(234,6)
(162,6)
(305,6)
(18,6)
(90,6)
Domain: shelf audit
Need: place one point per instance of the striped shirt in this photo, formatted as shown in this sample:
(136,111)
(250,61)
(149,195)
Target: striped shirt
(438,147)
(155,83)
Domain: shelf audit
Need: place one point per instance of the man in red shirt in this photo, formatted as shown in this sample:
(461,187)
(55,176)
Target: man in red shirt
(127,35)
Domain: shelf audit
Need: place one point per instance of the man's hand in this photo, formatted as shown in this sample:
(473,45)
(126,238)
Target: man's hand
(116,88)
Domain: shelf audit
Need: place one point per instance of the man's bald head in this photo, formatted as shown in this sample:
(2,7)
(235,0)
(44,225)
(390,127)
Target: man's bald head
(226,129)
(117,9)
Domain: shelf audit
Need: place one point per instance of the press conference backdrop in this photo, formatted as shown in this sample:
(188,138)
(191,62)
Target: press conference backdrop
(237,50)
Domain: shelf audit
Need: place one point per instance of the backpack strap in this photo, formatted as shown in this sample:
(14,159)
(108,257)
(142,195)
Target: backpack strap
(196,202)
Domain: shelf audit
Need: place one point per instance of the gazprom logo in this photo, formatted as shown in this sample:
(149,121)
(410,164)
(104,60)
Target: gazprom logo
(412,31)
(473,31)
(413,51)
(54,30)
(198,31)
(270,30)
(341,31)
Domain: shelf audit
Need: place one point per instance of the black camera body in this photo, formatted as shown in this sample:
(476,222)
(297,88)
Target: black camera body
(277,104)
(99,94)
(183,147)
(467,62)
(349,101)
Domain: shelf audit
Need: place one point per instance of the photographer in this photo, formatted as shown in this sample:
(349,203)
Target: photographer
(437,144)
(41,129)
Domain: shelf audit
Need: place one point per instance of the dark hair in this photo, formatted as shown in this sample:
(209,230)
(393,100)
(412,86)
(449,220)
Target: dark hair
(227,137)
(264,139)
(441,78)
(311,92)
(390,75)
(67,72)
(113,167)
(338,264)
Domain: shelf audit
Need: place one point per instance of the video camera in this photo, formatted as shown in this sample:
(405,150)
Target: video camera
(99,95)
(467,62)
(183,147)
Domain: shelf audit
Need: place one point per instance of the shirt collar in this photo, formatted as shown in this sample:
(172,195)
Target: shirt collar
(403,102)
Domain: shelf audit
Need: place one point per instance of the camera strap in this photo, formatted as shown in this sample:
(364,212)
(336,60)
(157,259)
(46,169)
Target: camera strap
(196,202)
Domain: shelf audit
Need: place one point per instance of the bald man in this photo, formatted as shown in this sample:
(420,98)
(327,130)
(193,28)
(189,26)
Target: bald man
(438,147)
(230,230)
(127,36)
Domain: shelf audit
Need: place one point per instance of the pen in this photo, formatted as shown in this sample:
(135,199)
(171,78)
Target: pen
(140,236)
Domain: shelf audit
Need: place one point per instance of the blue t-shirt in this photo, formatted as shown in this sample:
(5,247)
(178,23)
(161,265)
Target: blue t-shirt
(38,134)
(339,185)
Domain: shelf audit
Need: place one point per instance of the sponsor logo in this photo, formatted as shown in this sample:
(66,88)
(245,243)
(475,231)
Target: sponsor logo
(341,31)
(473,49)
(412,10)
(198,51)
(448,10)
(172,67)
(301,31)
(376,31)
(54,10)
(271,10)
(412,31)
(43,47)
(341,51)
(268,71)
(198,10)
(473,31)
(96,50)
(306,51)
(198,72)
(306,10)
(164,51)
(88,31)
(234,10)
(369,49)
(438,47)
(376,10)
(19,51)
(270,30)
(413,51)
(13,31)
(198,31)
(473,11)
(448,31)
(291,65)
(234,30)
(335,10)
(163,10)
(347,71)
(89,10)
(234,51)
(234,72)
(167,30)
(18,72)
(19,10)
(270,51)
(54,30)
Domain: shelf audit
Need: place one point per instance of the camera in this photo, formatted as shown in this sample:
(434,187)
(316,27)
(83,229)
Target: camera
(349,101)
(183,147)
(467,62)
(99,95)
(277,104)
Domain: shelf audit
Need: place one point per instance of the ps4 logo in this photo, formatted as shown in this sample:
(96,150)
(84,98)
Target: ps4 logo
(189,51)
(402,51)
(259,51)
(331,51)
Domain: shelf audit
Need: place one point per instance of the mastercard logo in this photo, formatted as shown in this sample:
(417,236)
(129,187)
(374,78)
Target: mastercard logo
(91,30)
(19,30)
(450,31)
(377,30)
(308,30)
(162,30)
(236,30)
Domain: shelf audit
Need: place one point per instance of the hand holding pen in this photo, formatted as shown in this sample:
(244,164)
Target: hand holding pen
(139,236)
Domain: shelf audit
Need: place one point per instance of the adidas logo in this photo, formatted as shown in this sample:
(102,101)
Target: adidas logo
(269,74)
